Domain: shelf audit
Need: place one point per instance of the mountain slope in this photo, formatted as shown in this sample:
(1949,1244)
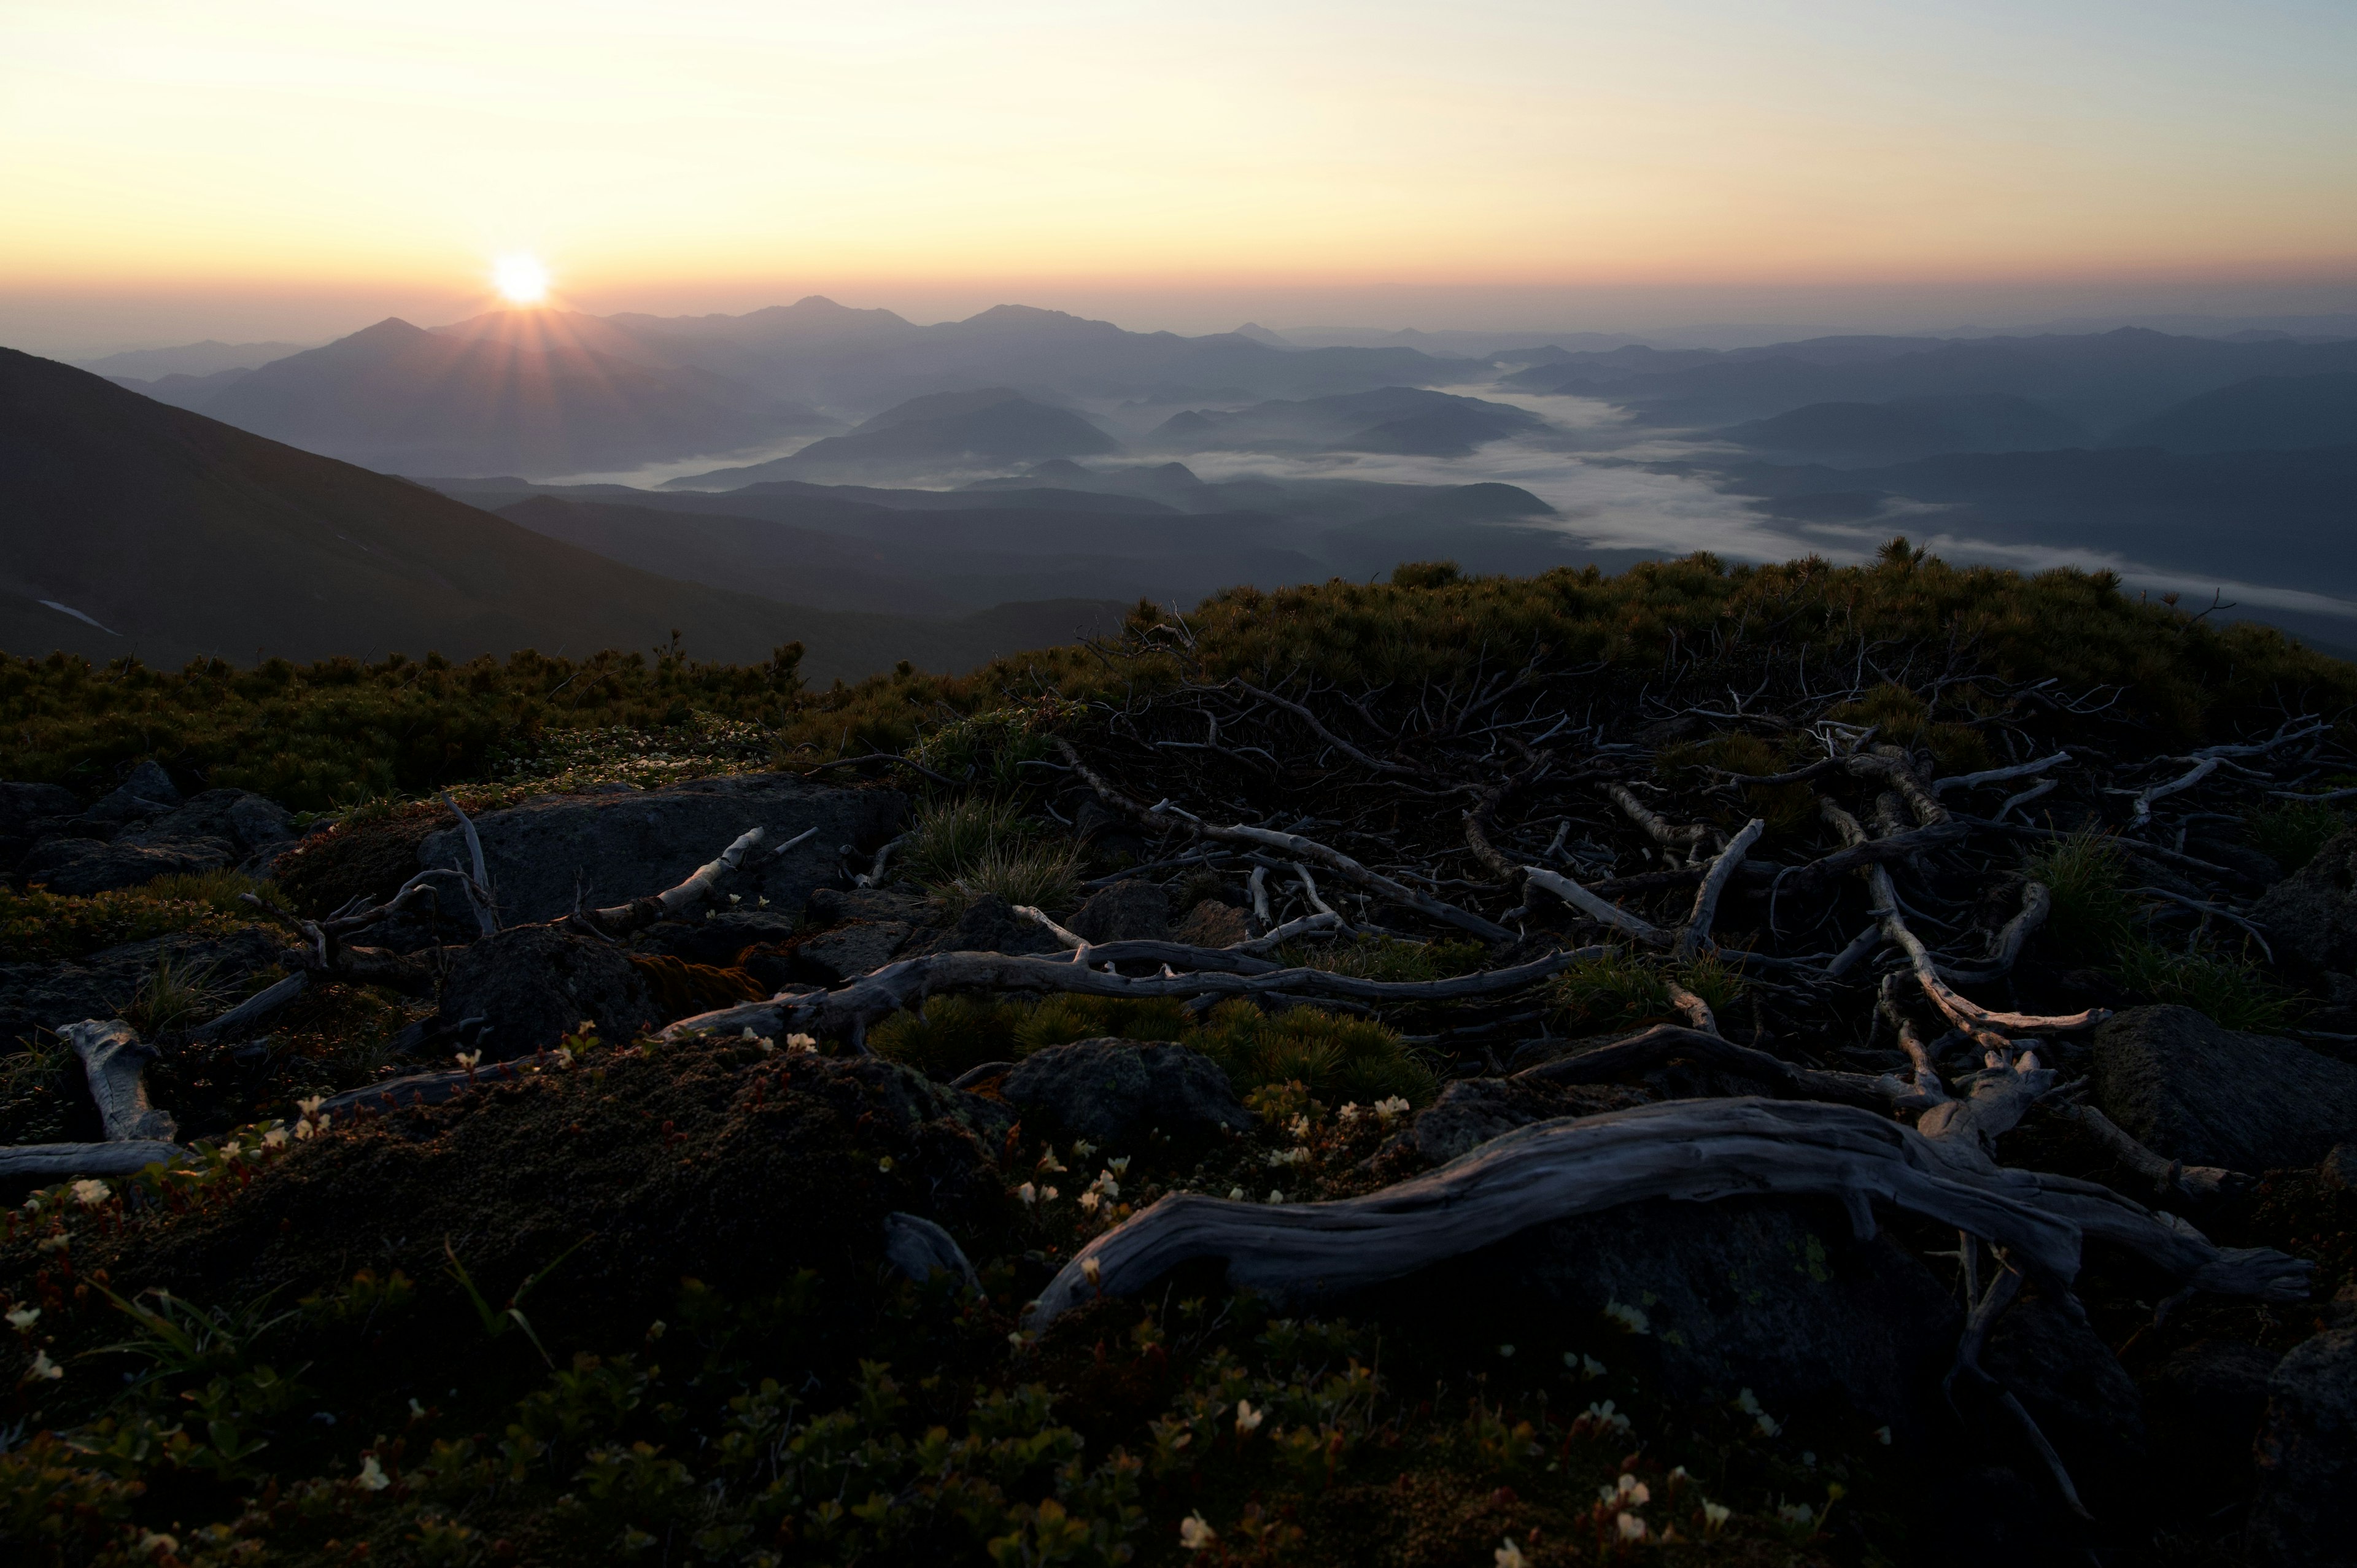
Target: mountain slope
(1912,427)
(490,398)
(992,427)
(2267,413)
(182,536)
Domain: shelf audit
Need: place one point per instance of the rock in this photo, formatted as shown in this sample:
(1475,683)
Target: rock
(532,986)
(2080,1395)
(243,820)
(1211,924)
(2191,1090)
(2203,1406)
(989,924)
(1775,1295)
(2311,916)
(1115,1092)
(901,901)
(1472,1110)
(29,812)
(2307,1457)
(851,948)
(721,940)
(2257,865)
(147,792)
(46,995)
(1124,912)
(82,866)
(609,849)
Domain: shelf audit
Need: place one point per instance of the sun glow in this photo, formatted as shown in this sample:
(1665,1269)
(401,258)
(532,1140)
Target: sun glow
(521,280)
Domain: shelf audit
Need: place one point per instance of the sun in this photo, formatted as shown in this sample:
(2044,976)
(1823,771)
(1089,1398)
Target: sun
(521,280)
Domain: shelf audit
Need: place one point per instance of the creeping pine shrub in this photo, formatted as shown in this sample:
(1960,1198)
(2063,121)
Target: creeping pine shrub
(2096,919)
(39,925)
(2291,834)
(1786,808)
(1336,1057)
(1621,990)
(1390,958)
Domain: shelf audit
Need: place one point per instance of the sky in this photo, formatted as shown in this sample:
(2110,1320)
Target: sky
(268,168)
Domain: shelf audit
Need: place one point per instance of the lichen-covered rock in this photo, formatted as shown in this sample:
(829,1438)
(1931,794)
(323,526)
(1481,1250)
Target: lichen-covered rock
(82,867)
(1211,924)
(1124,912)
(2192,1092)
(608,849)
(1116,1091)
(2305,1514)
(534,984)
(2311,916)
(1472,1110)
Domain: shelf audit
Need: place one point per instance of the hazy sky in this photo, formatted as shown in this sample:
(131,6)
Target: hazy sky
(205,165)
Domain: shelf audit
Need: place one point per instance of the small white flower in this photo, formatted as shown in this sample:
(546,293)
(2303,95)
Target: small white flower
(1509,1556)
(1507,1351)
(1348,1115)
(43,1369)
(1795,1513)
(1049,1162)
(468,1059)
(1107,1184)
(274,1139)
(1749,1404)
(1091,1270)
(1394,1105)
(156,1540)
(1299,1126)
(90,1194)
(1048,1195)
(1236,1195)
(23,1317)
(1637,1493)
(1247,1418)
(372,1478)
(735,897)
(1604,1416)
(1715,1515)
(306,1128)
(1632,1319)
(1275,1194)
(587,1027)
(885,1164)
(309,1105)
(56,1243)
(1088,1201)
(1028,1193)
(1083,1148)
(1119,1166)
(1882,1435)
(798,1043)
(1194,1534)
(1630,1527)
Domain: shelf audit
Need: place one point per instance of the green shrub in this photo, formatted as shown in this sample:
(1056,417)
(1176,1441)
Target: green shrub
(1390,958)
(217,890)
(2232,991)
(2291,834)
(2093,917)
(38,924)
(1621,990)
(967,846)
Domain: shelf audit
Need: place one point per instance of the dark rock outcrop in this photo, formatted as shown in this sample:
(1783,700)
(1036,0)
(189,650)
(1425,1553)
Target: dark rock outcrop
(2080,1395)
(29,812)
(2203,1407)
(48,995)
(2307,1457)
(1127,911)
(2191,1090)
(1212,924)
(244,820)
(608,849)
(2311,916)
(989,924)
(1472,1110)
(82,867)
(534,984)
(853,948)
(1117,1092)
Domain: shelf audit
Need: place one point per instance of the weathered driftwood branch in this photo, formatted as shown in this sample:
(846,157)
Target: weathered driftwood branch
(688,896)
(848,1010)
(1666,1043)
(2204,907)
(1687,840)
(1866,852)
(1696,930)
(115,1059)
(916,1249)
(248,1014)
(1998,775)
(1291,844)
(1695,1150)
(1318,728)
(1589,904)
(1693,1009)
(2167,1176)
(477,886)
(1890,765)
(56,1162)
(2140,812)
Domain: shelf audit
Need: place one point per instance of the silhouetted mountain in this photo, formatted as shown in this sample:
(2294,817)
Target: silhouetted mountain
(488,397)
(946,432)
(181,536)
(2267,413)
(1910,427)
(1389,419)
(187,359)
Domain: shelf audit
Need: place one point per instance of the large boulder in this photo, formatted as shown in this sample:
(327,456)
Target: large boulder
(82,867)
(29,812)
(2307,1455)
(1117,1092)
(2192,1092)
(608,849)
(1124,912)
(1704,1300)
(147,791)
(2203,1406)
(2311,916)
(244,820)
(2080,1395)
(532,986)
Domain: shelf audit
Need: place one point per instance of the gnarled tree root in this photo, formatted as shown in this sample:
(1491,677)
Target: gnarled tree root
(1695,1150)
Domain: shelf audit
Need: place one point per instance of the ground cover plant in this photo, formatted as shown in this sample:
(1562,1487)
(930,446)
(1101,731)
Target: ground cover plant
(1490,862)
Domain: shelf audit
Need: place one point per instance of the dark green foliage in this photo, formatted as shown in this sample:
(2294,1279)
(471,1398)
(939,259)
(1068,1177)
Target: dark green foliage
(1622,990)
(2292,833)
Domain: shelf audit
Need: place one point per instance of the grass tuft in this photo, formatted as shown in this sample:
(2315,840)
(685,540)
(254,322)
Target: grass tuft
(2291,834)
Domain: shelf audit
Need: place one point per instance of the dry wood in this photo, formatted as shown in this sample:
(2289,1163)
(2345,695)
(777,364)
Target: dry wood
(848,1010)
(243,1018)
(1705,905)
(1685,840)
(115,1059)
(689,895)
(2168,1176)
(1998,774)
(1889,764)
(45,1163)
(1695,1150)
(1666,1043)
(479,886)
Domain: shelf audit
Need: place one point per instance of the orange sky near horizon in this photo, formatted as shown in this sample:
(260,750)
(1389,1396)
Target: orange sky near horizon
(724,149)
